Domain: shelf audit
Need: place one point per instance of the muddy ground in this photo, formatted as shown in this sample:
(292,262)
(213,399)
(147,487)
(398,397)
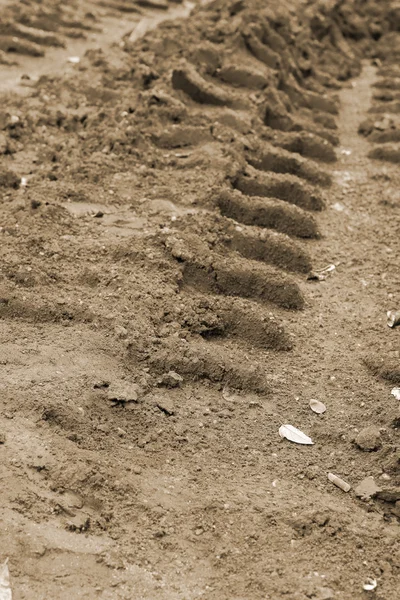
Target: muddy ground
(170,199)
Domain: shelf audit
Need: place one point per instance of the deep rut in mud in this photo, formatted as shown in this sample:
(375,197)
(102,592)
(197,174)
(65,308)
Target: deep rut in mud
(169,207)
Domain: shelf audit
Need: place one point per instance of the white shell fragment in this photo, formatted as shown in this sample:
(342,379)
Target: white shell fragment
(396,393)
(393,318)
(317,407)
(74,60)
(5,589)
(294,435)
(321,274)
(340,483)
(370,585)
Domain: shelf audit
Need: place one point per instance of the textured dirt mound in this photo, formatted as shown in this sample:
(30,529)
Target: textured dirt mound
(383,126)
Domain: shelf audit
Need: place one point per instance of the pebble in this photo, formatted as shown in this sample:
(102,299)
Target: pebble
(369,439)
(2,438)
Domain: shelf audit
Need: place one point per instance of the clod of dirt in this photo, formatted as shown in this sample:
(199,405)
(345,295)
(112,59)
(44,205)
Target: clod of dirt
(340,483)
(324,593)
(122,393)
(367,488)
(171,379)
(389,494)
(8,179)
(121,331)
(2,438)
(165,404)
(369,439)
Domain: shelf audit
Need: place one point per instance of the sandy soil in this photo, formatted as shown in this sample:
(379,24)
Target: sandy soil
(162,310)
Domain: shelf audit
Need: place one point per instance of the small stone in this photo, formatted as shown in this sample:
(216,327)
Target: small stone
(2,438)
(171,379)
(369,439)
(367,489)
(137,470)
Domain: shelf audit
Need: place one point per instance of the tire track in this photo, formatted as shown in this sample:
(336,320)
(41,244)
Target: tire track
(269,198)
(245,98)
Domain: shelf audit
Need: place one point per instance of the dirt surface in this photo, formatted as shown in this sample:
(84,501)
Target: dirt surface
(168,205)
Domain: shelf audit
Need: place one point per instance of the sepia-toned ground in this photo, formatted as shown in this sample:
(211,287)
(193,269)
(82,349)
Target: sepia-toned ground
(167,205)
